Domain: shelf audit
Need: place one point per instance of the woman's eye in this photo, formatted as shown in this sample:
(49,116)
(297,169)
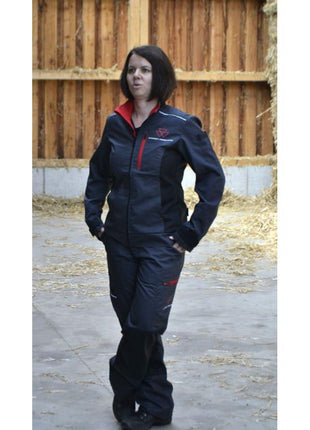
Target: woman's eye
(143,70)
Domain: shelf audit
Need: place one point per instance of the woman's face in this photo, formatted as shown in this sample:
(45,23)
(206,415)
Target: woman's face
(139,77)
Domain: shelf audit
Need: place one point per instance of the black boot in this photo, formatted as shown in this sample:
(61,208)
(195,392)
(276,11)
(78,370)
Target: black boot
(143,421)
(123,410)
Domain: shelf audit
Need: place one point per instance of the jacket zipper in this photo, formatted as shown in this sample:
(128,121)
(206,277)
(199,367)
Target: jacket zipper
(129,177)
(141,149)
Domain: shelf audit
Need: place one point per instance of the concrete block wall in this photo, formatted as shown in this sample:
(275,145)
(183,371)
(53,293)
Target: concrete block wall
(245,176)
(59,182)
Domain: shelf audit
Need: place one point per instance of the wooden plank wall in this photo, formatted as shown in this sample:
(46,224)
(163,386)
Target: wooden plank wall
(69,115)
(198,35)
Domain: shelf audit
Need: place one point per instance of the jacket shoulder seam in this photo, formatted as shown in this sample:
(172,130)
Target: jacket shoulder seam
(173,115)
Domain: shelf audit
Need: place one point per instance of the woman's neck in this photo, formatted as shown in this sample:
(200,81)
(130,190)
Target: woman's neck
(141,110)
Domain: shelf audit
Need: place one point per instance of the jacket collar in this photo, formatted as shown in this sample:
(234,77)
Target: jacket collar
(125,111)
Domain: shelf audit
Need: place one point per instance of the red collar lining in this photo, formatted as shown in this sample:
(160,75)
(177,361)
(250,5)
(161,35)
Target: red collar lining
(125,111)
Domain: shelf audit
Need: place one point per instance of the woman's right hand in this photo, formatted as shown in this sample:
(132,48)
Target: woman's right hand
(99,234)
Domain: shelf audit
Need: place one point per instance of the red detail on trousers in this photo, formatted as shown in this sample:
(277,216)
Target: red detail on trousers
(173,282)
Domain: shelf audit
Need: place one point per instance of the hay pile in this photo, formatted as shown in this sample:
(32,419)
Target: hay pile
(246,229)
(270,9)
(223,358)
(252,235)
(57,206)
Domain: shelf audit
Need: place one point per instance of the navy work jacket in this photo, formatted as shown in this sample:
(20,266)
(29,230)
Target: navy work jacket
(141,172)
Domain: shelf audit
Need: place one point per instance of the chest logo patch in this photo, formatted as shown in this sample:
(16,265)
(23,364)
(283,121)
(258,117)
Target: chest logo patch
(162,132)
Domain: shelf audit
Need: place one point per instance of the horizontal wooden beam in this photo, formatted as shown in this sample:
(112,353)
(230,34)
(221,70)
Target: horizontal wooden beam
(77,74)
(114,75)
(221,76)
(258,160)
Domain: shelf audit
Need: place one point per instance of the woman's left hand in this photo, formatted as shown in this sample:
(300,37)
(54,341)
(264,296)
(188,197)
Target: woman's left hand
(177,246)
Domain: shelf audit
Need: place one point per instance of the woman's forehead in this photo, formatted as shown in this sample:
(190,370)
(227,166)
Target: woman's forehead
(137,60)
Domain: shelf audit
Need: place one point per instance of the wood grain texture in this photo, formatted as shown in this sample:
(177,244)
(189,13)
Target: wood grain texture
(217,47)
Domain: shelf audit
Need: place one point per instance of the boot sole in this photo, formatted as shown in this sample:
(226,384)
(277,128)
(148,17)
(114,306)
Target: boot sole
(157,423)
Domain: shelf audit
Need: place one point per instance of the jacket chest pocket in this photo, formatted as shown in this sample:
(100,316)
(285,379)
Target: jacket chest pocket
(150,153)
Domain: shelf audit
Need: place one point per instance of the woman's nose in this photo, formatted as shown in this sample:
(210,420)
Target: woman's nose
(137,73)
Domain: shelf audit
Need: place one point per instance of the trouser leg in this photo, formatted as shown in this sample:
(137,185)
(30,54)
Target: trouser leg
(129,366)
(138,372)
(157,278)
(143,283)
(123,269)
(155,392)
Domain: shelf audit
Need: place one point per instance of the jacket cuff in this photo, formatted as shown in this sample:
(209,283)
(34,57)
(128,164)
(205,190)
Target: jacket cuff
(186,237)
(95,230)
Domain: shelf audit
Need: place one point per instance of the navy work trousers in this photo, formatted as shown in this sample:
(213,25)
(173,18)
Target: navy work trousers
(143,280)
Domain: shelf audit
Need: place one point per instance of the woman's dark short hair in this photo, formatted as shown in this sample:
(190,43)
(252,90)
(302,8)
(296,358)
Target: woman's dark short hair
(163,76)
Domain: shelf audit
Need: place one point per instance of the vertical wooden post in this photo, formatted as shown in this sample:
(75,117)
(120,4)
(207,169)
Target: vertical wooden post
(199,28)
(133,38)
(50,62)
(106,58)
(69,86)
(35,34)
(79,84)
(69,119)
(106,35)
(266,130)
(233,92)
(69,34)
(121,14)
(35,92)
(89,34)
(50,119)
(88,86)
(200,103)
(50,34)
(267,138)
(179,94)
(162,35)
(216,90)
(249,119)
(138,23)
(181,39)
(262,40)
(144,21)
(217,33)
(251,36)
(35,119)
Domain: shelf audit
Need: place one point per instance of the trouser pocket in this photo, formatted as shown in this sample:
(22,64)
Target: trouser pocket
(155,289)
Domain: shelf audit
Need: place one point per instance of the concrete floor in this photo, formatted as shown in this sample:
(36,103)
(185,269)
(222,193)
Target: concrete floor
(220,346)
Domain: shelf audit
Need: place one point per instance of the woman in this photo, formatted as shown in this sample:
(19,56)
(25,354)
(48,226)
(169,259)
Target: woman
(140,161)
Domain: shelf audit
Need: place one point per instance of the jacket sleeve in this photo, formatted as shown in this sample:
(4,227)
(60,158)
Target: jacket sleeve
(98,185)
(197,151)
